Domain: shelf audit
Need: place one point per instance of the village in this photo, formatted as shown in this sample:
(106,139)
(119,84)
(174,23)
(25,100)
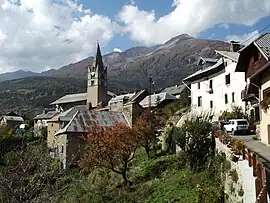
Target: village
(233,90)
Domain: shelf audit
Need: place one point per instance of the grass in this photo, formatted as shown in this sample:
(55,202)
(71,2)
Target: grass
(162,179)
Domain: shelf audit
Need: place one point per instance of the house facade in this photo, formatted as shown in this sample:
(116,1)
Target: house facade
(41,121)
(57,123)
(254,62)
(217,88)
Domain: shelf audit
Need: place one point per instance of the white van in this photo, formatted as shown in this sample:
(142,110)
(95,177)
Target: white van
(237,126)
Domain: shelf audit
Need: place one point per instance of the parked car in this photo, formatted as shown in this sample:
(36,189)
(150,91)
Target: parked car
(237,126)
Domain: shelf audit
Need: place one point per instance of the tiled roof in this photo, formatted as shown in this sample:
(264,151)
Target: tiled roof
(48,115)
(70,98)
(263,43)
(177,89)
(121,97)
(82,120)
(68,114)
(155,98)
(205,71)
(230,55)
(13,118)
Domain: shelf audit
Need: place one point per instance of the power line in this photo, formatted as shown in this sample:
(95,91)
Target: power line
(256,34)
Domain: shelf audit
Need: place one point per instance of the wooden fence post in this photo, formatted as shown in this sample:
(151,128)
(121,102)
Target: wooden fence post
(254,164)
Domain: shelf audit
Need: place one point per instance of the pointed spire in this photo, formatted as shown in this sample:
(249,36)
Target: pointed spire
(98,57)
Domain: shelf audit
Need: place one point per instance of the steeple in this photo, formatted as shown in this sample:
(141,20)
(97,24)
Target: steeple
(97,81)
(97,61)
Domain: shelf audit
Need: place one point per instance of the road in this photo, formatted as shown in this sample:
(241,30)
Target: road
(244,138)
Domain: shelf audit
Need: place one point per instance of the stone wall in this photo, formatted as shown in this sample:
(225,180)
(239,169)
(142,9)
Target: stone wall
(239,181)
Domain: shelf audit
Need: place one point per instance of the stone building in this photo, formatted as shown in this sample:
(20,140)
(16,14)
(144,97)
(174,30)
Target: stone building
(11,122)
(70,146)
(41,121)
(57,123)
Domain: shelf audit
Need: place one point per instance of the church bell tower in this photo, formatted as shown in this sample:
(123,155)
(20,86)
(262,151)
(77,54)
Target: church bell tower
(97,82)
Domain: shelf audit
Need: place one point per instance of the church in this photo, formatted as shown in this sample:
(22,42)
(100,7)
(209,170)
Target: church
(97,94)
(76,112)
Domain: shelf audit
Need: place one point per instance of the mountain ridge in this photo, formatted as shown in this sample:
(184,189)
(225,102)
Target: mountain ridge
(128,71)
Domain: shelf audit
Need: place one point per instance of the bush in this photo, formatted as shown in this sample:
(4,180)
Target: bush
(234,175)
(236,113)
(196,140)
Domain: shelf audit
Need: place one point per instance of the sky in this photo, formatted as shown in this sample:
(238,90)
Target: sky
(37,35)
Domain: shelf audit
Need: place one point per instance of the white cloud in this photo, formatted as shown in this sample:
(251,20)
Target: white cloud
(224,25)
(245,38)
(117,50)
(40,34)
(191,17)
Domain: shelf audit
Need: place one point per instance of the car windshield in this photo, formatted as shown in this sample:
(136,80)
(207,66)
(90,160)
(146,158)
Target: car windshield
(242,122)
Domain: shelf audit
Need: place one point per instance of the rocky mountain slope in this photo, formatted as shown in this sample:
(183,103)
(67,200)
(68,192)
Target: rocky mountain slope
(168,64)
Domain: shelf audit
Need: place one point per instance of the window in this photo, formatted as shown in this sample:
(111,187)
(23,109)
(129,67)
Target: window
(52,124)
(62,149)
(200,101)
(233,99)
(228,79)
(242,122)
(92,82)
(211,84)
(211,104)
(199,85)
(226,99)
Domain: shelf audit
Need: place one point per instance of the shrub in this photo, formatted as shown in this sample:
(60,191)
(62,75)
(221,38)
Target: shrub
(241,192)
(196,140)
(237,112)
(234,175)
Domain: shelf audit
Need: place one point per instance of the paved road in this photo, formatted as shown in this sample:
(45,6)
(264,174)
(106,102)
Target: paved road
(245,138)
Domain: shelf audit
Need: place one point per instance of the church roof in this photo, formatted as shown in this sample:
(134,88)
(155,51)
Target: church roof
(71,98)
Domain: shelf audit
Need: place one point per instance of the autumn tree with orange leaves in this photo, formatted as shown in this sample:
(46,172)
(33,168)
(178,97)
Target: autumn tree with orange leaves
(111,147)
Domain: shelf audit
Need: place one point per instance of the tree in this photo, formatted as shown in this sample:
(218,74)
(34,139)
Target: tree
(195,139)
(147,127)
(110,147)
(236,113)
(29,173)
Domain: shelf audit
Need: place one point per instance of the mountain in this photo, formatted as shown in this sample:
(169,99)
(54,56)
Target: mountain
(16,75)
(167,63)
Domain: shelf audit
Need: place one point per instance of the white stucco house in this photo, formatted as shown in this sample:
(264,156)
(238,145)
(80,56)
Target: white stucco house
(216,87)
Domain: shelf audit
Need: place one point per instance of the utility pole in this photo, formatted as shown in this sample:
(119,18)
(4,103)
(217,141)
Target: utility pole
(150,92)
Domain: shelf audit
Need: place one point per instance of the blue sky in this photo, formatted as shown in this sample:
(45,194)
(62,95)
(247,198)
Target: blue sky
(219,31)
(38,35)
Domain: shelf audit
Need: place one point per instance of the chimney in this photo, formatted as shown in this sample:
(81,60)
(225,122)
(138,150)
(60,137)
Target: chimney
(234,46)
